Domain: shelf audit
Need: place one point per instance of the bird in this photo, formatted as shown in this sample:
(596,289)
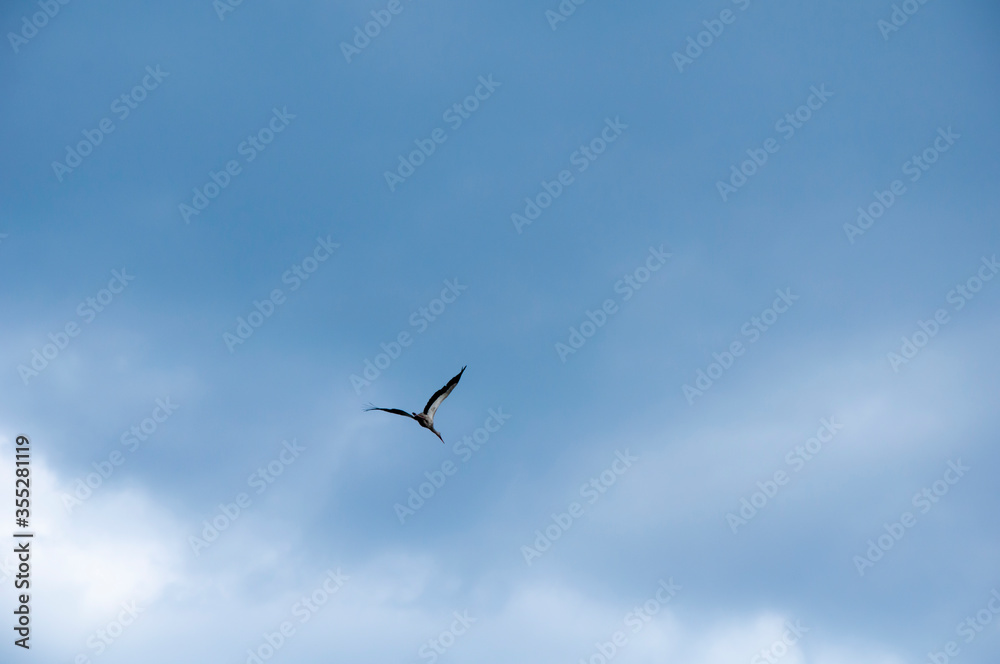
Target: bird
(426,418)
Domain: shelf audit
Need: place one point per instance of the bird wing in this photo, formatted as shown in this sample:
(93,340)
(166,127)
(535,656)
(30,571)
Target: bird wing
(395,411)
(441,395)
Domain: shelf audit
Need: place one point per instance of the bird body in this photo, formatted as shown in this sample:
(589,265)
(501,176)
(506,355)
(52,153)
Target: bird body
(426,418)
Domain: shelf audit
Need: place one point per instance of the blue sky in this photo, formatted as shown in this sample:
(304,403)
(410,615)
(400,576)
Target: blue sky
(639,231)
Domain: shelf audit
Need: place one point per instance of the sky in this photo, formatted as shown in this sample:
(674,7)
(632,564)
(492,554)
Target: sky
(722,273)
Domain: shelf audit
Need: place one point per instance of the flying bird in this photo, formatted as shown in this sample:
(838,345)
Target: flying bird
(426,418)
